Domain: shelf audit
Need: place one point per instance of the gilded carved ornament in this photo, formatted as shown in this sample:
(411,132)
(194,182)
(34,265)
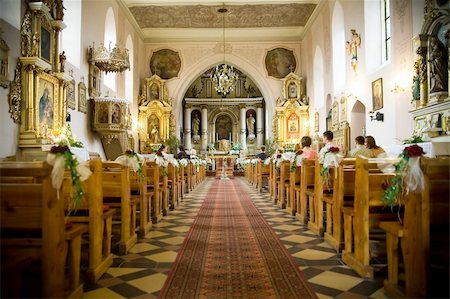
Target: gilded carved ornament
(15,95)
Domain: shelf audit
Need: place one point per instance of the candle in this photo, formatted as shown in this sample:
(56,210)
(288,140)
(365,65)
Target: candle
(217,136)
(229,136)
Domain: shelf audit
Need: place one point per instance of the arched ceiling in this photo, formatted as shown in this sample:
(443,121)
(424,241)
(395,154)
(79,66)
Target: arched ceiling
(197,21)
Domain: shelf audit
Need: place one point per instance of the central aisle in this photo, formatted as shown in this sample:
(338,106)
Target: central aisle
(232,252)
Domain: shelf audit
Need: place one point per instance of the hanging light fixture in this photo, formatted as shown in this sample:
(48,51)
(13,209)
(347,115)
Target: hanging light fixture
(224,76)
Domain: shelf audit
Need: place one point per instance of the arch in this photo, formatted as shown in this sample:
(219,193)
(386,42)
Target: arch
(338,43)
(191,73)
(357,120)
(129,80)
(109,40)
(318,75)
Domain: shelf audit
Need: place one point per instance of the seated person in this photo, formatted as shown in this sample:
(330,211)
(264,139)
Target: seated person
(377,151)
(262,155)
(308,153)
(181,153)
(360,149)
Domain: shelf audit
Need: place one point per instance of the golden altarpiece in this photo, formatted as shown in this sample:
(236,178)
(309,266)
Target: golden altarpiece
(156,121)
(340,125)
(291,120)
(38,93)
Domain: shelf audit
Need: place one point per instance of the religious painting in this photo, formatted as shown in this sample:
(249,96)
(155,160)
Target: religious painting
(165,63)
(223,127)
(4,54)
(46,44)
(292,126)
(103,114)
(71,95)
(377,94)
(115,115)
(153,128)
(154,92)
(46,103)
(82,99)
(280,62)
(94,80)
(292,90)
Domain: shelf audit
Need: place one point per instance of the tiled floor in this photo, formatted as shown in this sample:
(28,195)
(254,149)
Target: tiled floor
(143,271)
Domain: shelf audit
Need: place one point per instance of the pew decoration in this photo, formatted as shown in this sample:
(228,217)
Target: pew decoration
(64,136)
(329,158)
(183,162)
(408,176)
(297,160)
(61,158)
(132,160)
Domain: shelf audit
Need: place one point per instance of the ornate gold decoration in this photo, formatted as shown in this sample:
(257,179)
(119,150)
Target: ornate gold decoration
(82,97)
(293,88)
(352,48)
(15,94)
(112,60)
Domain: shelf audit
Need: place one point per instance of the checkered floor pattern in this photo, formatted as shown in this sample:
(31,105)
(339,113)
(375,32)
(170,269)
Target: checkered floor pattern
(142,272)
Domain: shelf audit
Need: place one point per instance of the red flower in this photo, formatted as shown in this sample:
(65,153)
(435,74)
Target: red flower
(59,149)
(299,152)
(333,149)
(278,155)
(159,153)
(413,151)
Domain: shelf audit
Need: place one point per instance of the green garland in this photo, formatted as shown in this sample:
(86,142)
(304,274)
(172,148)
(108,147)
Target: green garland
(134,155)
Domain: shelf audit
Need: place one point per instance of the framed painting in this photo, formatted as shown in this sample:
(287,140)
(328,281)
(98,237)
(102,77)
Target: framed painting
(94,81)
(71,95)
(377,94)
(82,104)
(47,112)
(46,44)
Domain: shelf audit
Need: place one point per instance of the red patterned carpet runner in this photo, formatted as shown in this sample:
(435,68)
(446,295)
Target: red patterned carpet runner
(232,252)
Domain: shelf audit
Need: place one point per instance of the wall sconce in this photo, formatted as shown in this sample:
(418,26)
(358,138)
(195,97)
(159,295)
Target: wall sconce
(376,116)
(397,89)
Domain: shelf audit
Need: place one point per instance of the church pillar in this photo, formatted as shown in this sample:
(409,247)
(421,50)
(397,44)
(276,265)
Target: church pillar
(243,123)
(204,128)
(187,127)
(259,124)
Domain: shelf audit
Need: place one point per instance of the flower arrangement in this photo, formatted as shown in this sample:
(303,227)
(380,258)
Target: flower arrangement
(329,158)
(297,160)
(60,158)
(161,161)
(64,136)
(408,176)
(135,156)
(413,139)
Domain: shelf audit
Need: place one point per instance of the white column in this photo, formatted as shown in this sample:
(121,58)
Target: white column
(243,124)
(259,127)
(187,127)
(204,128)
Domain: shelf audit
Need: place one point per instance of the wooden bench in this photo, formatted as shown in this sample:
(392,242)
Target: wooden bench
(140,194)
(424,237)
(283,184)
(173,186)
(97,216)
(33,228)
(307,176)
(292,204)
(154,185)
(117,193)
(365,215)
(262,174)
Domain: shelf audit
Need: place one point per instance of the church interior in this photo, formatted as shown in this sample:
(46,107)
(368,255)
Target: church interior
(224,149)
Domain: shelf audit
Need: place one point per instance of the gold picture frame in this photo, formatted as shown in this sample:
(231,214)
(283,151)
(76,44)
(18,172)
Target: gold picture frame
(377,94)
(71,95)
(82,98)
(46,44)
(48,112)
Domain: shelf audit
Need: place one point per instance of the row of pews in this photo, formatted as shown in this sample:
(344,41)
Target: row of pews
(345,208)
(42,232)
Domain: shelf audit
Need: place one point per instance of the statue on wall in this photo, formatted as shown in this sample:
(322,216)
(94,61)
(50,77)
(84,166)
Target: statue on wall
(352,47)
(438,66)
(62,61)
(195,125)
(416,81)
(251,125)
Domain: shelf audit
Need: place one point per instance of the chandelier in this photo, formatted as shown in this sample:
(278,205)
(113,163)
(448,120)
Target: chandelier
(224,76)
(115,60)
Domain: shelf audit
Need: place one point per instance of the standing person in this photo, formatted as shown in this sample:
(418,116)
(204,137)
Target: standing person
(262,155)
(360,149)
(308,153)
(377,151)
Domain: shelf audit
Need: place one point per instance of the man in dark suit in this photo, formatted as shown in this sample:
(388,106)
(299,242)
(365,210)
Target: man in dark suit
(262,155)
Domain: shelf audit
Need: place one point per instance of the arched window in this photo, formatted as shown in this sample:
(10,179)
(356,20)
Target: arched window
(71,36)
(128,73)
(319,96)
(338,40)
(110,42)
(386,29)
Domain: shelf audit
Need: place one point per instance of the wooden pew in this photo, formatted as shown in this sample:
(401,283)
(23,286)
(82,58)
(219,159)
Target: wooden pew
(98,218)
(424,237)
(367,212)
(262,174)
(117,193)
(154,185)
(173,186)
(323,192)
(292,205)
(306,189)
(140,194)
(33,228)
(283,184)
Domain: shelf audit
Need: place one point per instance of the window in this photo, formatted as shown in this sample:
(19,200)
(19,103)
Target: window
(386,29)
(110,42)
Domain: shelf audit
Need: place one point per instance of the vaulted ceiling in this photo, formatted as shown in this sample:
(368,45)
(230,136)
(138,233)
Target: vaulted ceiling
(197,21)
